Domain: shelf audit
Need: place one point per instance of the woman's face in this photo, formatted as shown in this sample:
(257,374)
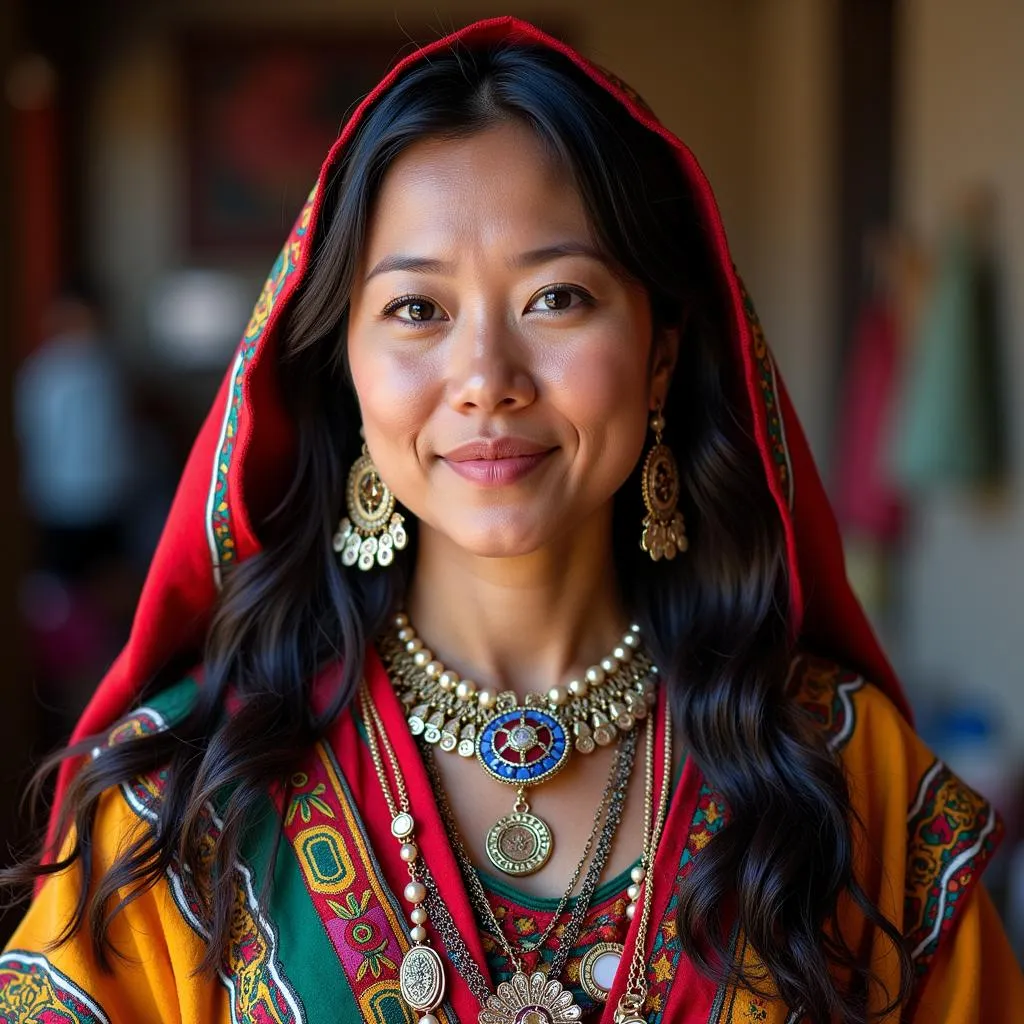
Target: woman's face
(504,371)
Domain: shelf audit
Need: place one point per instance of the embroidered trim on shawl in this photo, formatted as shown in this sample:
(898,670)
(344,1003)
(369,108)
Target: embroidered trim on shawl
(218,505)
(363,921)
(605,922)
(825,690)
(769,387)
(31,989)
(708,819)
(952,833)
(250,970)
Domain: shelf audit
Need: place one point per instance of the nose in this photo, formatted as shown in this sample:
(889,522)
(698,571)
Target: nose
(489,368)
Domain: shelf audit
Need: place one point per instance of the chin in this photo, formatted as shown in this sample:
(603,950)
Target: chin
(498,540)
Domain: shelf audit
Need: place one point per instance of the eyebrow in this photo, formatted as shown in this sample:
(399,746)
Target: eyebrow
(532,258)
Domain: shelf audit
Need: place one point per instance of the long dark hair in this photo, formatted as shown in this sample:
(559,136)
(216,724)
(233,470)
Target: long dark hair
(717,620)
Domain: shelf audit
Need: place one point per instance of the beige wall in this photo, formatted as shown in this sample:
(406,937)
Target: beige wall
(960,123)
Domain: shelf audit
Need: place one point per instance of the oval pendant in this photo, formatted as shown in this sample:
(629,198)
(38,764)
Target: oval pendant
(530,999)
(598,968)
(421,978)
(523,746)
(519,844)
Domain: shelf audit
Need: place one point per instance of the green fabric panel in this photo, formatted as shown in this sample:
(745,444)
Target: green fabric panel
(307,957)
(548,904)
(174,703)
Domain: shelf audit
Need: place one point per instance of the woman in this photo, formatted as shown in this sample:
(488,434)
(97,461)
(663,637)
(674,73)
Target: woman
(534,732)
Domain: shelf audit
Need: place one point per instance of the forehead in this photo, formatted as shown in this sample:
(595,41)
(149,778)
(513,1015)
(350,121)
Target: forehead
(500,187)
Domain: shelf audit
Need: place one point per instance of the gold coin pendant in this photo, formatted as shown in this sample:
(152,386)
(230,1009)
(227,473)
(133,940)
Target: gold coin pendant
(519,844)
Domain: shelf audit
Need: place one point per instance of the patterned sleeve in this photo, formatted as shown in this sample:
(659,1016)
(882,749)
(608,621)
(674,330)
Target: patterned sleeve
(151,976)
(151,973)
(923,842)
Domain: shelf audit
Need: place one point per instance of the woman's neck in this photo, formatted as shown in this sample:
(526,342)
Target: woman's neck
(524,623)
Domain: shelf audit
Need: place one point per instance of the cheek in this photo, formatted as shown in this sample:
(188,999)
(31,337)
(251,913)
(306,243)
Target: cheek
(396,396)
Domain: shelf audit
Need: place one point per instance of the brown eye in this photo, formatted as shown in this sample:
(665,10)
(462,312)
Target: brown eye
(421,310)
(557,298)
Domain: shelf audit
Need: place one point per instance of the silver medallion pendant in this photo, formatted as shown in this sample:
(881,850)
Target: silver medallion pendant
(598,968)
(421,978)
(530,999)
(519,844)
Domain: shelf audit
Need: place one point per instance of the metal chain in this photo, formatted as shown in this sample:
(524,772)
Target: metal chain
(458,952)
(611,800)
(635,995)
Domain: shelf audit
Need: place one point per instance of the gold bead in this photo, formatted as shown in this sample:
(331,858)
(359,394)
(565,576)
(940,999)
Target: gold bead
(433,669)
(418,933)
(579,687)
(638,874)
(465,689)
(448,680)
(406,634)
(413,645)
(408,852)
(422,657)
(486,698)
(594,675)
(558,695)
(415,892)
(418,915)
(401,620)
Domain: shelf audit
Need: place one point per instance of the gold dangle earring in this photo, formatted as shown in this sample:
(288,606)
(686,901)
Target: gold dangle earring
(372,530)
(664,533)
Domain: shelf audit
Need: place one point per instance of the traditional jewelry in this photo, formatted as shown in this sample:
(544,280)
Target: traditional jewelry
(630,1008)
(598,968)
(519,744)
(372,530)
(664,533)
(421,974)
(609,809)
(536,998)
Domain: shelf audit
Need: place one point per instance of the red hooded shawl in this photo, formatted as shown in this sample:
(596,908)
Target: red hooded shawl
(241,460)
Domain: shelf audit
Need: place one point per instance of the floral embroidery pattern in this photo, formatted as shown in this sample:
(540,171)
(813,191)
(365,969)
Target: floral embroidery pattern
(250,969)
(33,990)
(769,387)
(283,272)
(952,833)
(305,803)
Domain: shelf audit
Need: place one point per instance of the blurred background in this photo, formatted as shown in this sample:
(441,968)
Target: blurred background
(868,158)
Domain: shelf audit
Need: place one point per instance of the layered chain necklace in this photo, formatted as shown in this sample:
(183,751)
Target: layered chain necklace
(538,998)
(519,743)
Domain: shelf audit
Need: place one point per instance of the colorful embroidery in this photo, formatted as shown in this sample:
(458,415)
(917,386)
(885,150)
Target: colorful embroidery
(952,832)
(305,803)
(250,970)
(708,818)
(605,922)
(218,519)
(345,883)
(769,387)
(825,690)
(33,991)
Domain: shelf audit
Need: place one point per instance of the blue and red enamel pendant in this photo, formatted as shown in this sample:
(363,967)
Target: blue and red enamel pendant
(522,744)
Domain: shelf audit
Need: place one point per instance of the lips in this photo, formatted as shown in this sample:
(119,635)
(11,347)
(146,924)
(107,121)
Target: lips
(495,462)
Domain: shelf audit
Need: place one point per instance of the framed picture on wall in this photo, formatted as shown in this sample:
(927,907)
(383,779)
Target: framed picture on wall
(262,111)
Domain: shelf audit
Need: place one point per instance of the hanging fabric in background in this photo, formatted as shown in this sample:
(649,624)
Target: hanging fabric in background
(950,425)
(868,504)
